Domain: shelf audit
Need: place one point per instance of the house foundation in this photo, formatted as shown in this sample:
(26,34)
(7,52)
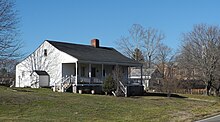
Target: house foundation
(97,89)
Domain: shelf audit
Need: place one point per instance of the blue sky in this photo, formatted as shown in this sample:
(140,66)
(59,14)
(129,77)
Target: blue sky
(79,21)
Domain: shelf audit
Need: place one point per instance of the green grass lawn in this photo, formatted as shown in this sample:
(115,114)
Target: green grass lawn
(44,105)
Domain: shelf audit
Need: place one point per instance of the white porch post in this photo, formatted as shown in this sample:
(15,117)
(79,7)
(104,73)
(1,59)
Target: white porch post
(90,72)
(128,75)
(102,71)
(141,75)
(76,73)
(79,69)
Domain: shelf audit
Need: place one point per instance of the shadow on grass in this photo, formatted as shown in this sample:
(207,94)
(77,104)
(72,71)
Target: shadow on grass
(22,90)
(163,95)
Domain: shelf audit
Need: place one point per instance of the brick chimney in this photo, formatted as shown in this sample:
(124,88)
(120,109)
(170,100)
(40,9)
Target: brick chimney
(95,43)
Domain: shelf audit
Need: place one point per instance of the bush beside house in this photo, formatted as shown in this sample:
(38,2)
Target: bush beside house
(109,85)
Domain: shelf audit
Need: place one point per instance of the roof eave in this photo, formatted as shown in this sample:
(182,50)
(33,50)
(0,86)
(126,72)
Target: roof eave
(112,63)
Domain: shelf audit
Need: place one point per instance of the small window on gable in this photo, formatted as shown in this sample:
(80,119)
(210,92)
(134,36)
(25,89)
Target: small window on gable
(45,52)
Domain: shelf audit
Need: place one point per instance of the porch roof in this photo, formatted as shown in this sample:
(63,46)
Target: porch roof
(87,53)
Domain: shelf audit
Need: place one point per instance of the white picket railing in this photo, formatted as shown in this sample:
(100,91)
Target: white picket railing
(134,81)
(87,80)
(67,82)
(63,84)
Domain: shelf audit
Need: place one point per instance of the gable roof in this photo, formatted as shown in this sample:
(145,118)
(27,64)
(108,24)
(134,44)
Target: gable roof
(39,72)
(146,72)
(87,53)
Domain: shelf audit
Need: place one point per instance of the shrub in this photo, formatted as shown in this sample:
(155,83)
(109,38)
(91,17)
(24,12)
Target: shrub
(109,85)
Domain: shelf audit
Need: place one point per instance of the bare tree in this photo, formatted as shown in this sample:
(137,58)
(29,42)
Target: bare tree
(133,42)
(165,64)
(142,45)
(145,41)
(169,75)
(164,56)
(200,52)
(9,44)
(152,40)
(7,72)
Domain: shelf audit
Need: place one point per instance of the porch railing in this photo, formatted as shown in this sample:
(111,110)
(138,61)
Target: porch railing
(134,81)
(63,84)
(123,88)
(87,80)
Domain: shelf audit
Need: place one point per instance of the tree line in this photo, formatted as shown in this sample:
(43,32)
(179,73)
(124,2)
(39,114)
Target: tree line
(198,58)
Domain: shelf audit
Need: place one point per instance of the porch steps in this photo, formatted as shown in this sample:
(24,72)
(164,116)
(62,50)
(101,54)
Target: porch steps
(67,86)
(114,93)
(63,84)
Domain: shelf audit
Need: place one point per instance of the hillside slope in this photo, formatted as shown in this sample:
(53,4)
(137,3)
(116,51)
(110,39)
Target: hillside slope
(19,104)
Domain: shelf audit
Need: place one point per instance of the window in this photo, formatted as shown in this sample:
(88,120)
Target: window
(45,52)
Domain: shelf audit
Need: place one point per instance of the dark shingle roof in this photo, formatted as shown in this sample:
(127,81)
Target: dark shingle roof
(89,53)
(41,72)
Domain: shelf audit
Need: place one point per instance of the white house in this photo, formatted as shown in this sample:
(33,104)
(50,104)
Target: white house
(72,66)
(151,77)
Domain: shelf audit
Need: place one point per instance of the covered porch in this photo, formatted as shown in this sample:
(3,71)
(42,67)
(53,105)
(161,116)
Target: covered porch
(91,75)
(87,73)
